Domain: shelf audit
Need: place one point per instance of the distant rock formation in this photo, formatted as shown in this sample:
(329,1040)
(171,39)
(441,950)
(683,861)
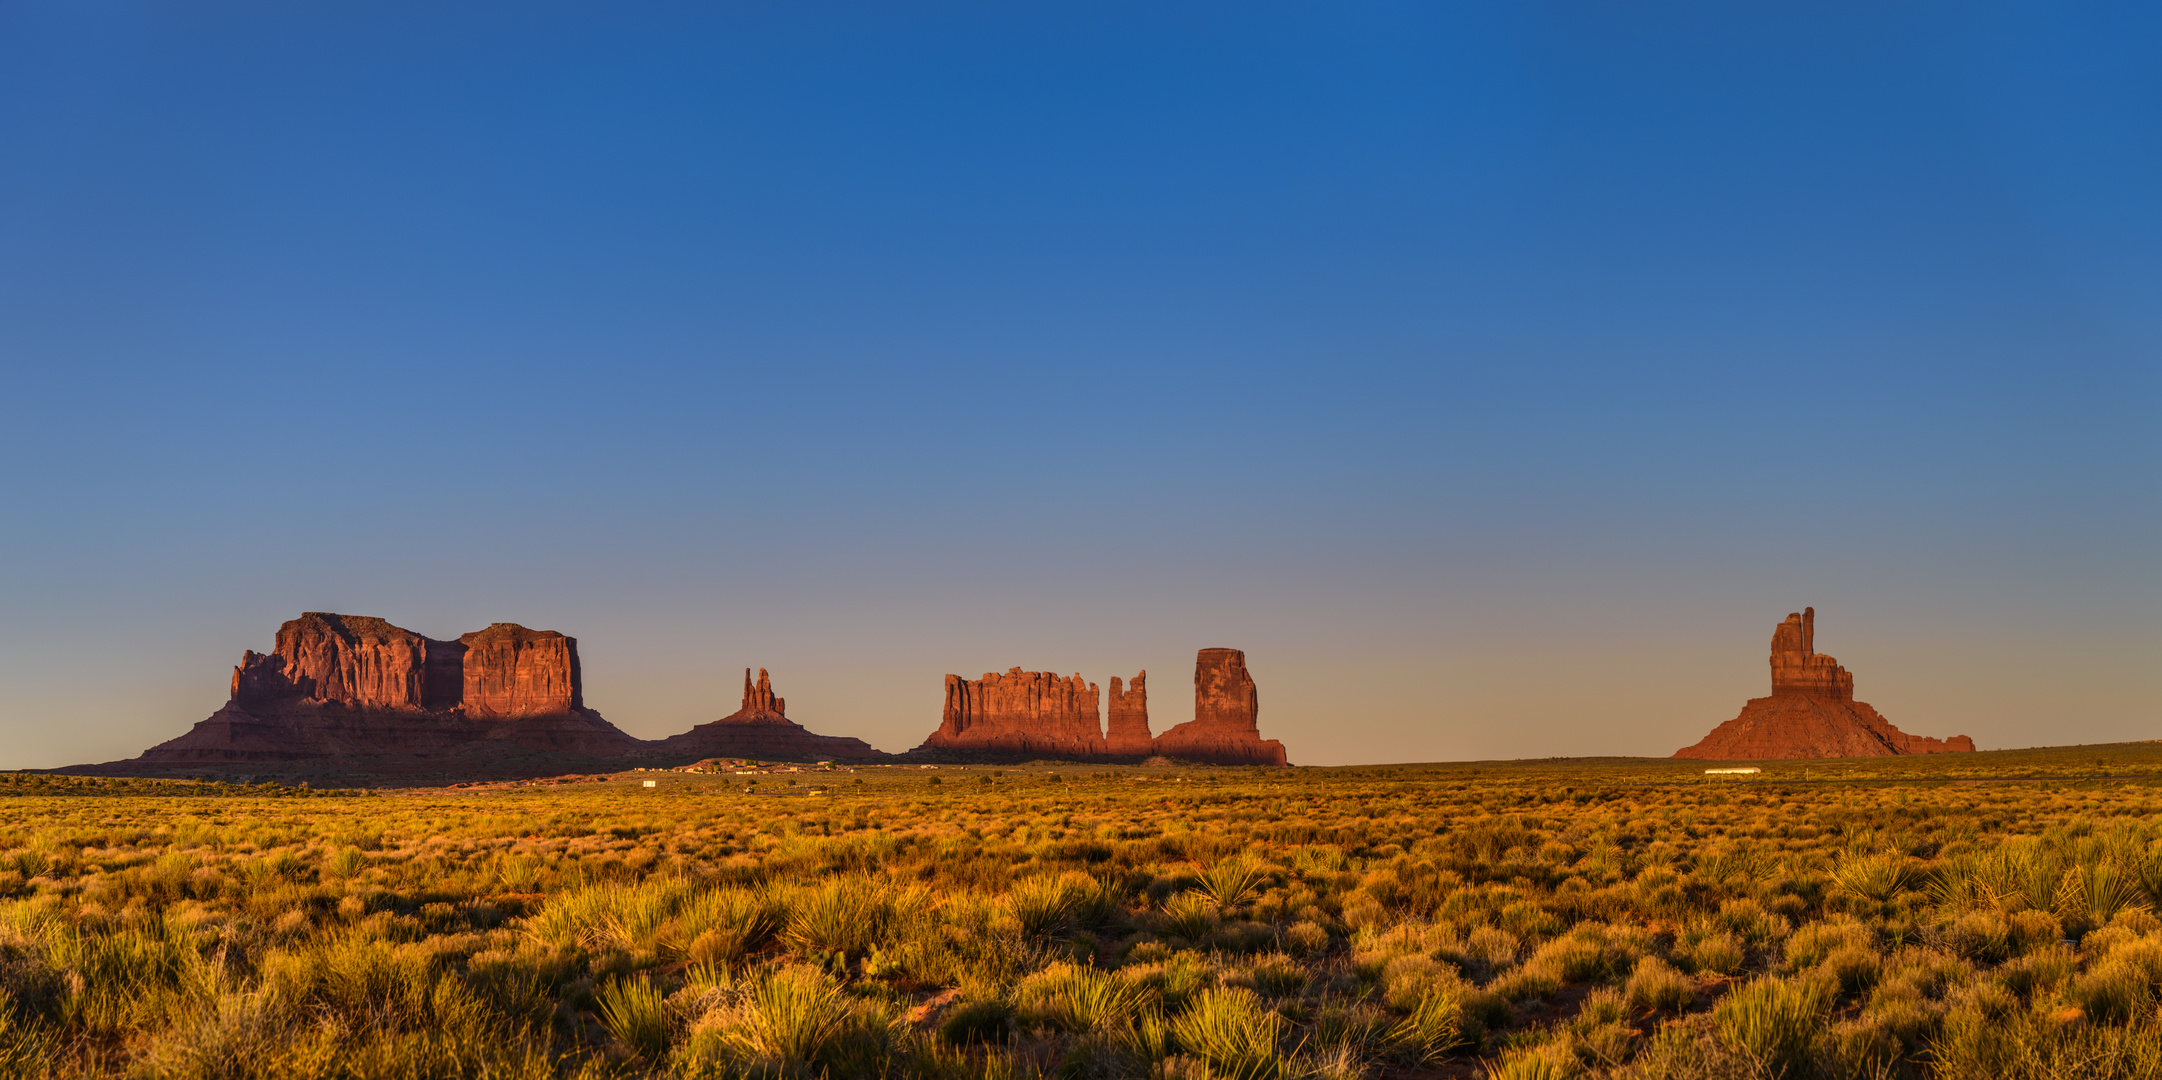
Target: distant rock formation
(356,694)
(1021,714)
(761,729)
(1811,712)
(355,698)
(1127,719)
(1224,730)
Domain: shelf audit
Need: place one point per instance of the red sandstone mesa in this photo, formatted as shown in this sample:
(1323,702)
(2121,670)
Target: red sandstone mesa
(762,729)
(1035,714)
(1811,712)
(1224,730)
(1021,714)
(345,693)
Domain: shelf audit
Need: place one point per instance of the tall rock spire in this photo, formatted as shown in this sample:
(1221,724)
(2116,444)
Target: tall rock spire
(1126,731)
(1811,712)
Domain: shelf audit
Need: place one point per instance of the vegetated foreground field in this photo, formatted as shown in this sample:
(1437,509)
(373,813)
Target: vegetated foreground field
(1988,915)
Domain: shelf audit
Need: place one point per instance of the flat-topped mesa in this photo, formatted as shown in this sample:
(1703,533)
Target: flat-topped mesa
(1126,718)
(356,694)
(761,729)
(1021,713)
(511,671)
(360,662)
(1811,712)
(1798,668)
(1225,729)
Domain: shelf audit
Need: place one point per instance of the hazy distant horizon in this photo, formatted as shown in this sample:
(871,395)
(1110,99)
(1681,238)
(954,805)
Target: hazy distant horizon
(1496,377)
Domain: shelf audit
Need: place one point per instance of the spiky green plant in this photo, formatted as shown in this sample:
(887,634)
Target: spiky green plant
(636,1013)
(1774,1022)
(1232,881)
(1229,1031)
(1041,906)
(845,916)
(1876,878)
(1434,1027)
(788,1017)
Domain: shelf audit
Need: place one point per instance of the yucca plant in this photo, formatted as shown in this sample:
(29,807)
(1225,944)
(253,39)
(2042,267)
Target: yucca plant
(345,863)
(2095,893)
(1233,881)
(1876,878)
(636,1013)
(1075,998)
(1434,1027)
(788,1017)
(844,916)
(1730,863)
(1229,1031)
(721,925)
(1774,1022)
(1655,985)
(1537,1063)
(1041,906)
(2146,868)
(1189,916)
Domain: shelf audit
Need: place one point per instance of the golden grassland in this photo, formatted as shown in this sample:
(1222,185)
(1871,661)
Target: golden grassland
(1987,915)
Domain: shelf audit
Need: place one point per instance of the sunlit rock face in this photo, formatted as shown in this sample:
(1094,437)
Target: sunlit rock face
(1811,712)
(511,671)
(1226,728)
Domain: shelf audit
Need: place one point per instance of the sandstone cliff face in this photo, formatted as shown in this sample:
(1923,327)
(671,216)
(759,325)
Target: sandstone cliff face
(1225,729)
(1021,713)
(511,671)
(1127,716)
(762,730)
(1811,712)
(354,660)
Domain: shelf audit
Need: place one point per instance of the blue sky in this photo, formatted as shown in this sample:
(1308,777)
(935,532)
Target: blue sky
(1496,376)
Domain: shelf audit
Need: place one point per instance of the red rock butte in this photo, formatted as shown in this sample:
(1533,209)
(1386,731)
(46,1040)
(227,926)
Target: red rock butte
(1811,712)
(1024,715)
(762,729)
(356,696)
(350,691)
(1226,727)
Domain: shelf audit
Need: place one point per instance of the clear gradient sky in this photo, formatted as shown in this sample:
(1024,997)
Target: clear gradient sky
(1497,376)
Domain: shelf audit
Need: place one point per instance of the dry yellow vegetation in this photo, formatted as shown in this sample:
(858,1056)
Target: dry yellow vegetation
(1989,915)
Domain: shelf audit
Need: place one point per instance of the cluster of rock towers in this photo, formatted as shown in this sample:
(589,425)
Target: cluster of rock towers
(1038,714)
(345,695)
(349,695)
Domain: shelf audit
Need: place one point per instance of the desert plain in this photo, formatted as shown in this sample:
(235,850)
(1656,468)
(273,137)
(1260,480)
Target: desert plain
(1955,915)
